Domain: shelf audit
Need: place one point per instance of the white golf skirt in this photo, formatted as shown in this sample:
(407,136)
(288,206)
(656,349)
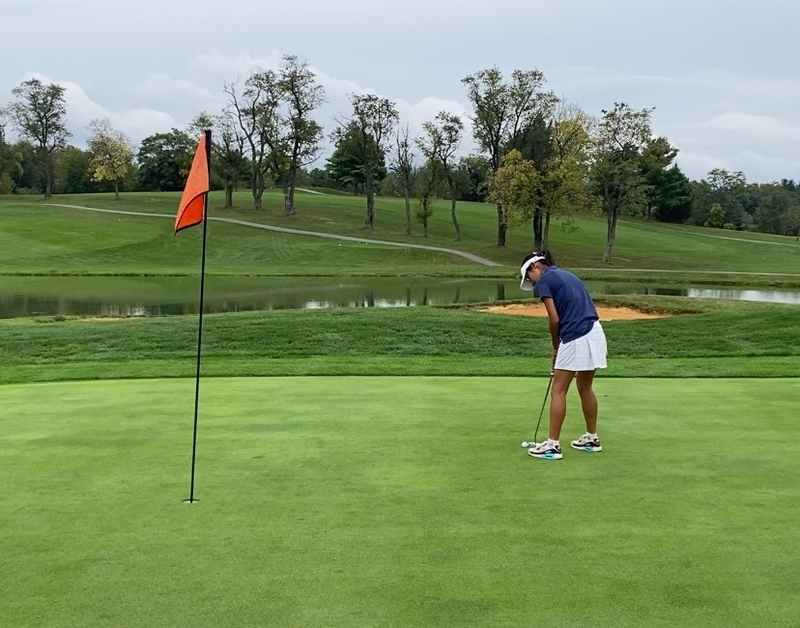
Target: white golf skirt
(586,353)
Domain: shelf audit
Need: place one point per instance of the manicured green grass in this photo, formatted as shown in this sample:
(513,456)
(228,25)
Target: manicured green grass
(421,340)
(397,502)
(121,244)
(388,501)
(52,241)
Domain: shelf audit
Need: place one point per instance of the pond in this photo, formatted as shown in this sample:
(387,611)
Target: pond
(140,296)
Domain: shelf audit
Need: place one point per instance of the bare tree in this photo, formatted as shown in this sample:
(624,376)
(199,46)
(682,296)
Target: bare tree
(403,164)
(227,149)
(40,115)
(256,112)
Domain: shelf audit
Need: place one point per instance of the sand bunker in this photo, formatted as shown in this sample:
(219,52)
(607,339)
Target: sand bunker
(605,313)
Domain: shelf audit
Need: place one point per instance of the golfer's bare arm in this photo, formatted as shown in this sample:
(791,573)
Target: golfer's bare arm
(552,315)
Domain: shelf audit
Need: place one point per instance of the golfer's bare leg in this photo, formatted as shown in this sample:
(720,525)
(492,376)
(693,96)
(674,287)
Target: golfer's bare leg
(558,401)
(588,400)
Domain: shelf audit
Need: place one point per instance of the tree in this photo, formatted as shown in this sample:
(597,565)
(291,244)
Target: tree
(256,113)
(40,114)
(31,172)
(228,165)
(164,160)
(72,172)
(347,164)
(728,190)
(500,110)
(425,183)
(790,221)
(516,185)
(656,157)
(666,191)
(564,177)
(716,217)
(321,178)
(441,139)
(302,96)
(673,201)
(534,144)
(10,160)
(622,135)
(372,123)
(472,176)
(544,173)
(111,154)
(403,165)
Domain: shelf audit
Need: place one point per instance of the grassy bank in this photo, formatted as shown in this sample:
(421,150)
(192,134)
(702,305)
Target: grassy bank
(419,340)
(39,237)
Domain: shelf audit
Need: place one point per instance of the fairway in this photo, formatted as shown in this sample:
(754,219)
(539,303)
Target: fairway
(79,242)
(397,501)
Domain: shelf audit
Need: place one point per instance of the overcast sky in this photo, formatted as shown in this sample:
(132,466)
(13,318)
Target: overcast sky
(723,75)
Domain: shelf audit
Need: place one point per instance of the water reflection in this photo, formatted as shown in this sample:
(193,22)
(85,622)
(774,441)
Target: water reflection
(21,297)
(772,296)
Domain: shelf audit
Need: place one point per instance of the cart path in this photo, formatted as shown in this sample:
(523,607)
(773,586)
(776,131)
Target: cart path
(470,256)
(331,236)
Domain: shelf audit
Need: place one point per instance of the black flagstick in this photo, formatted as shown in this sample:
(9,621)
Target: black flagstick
(191,499)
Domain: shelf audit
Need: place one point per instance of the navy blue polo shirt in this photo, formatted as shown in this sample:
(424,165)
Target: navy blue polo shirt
(576,311)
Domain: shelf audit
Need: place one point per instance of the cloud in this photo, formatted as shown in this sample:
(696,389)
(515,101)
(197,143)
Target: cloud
(136,123)
(716,118)
(165,101)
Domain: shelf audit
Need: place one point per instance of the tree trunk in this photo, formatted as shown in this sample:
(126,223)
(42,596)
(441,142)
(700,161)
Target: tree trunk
(502,226)
(229,195)
(424,217)
(369,223)
(288,208)
(536,221)
(611,233)
(116,189)
(289,202)
(546,236)
(258,190)
(48,176)
(408,211)
(453,215)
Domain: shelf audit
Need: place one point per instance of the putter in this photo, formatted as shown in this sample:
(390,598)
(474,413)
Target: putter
(535,441)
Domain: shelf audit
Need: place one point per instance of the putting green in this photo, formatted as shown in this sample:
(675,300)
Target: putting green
(359,501)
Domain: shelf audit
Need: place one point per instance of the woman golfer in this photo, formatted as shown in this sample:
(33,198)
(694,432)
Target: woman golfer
(579,348)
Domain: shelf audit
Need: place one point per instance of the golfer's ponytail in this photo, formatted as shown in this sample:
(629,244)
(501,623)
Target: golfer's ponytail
(548,258)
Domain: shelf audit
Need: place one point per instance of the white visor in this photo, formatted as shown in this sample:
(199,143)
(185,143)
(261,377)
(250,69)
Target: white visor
(525,284)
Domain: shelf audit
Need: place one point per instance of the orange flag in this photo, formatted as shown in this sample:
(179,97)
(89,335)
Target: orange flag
(191,211)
